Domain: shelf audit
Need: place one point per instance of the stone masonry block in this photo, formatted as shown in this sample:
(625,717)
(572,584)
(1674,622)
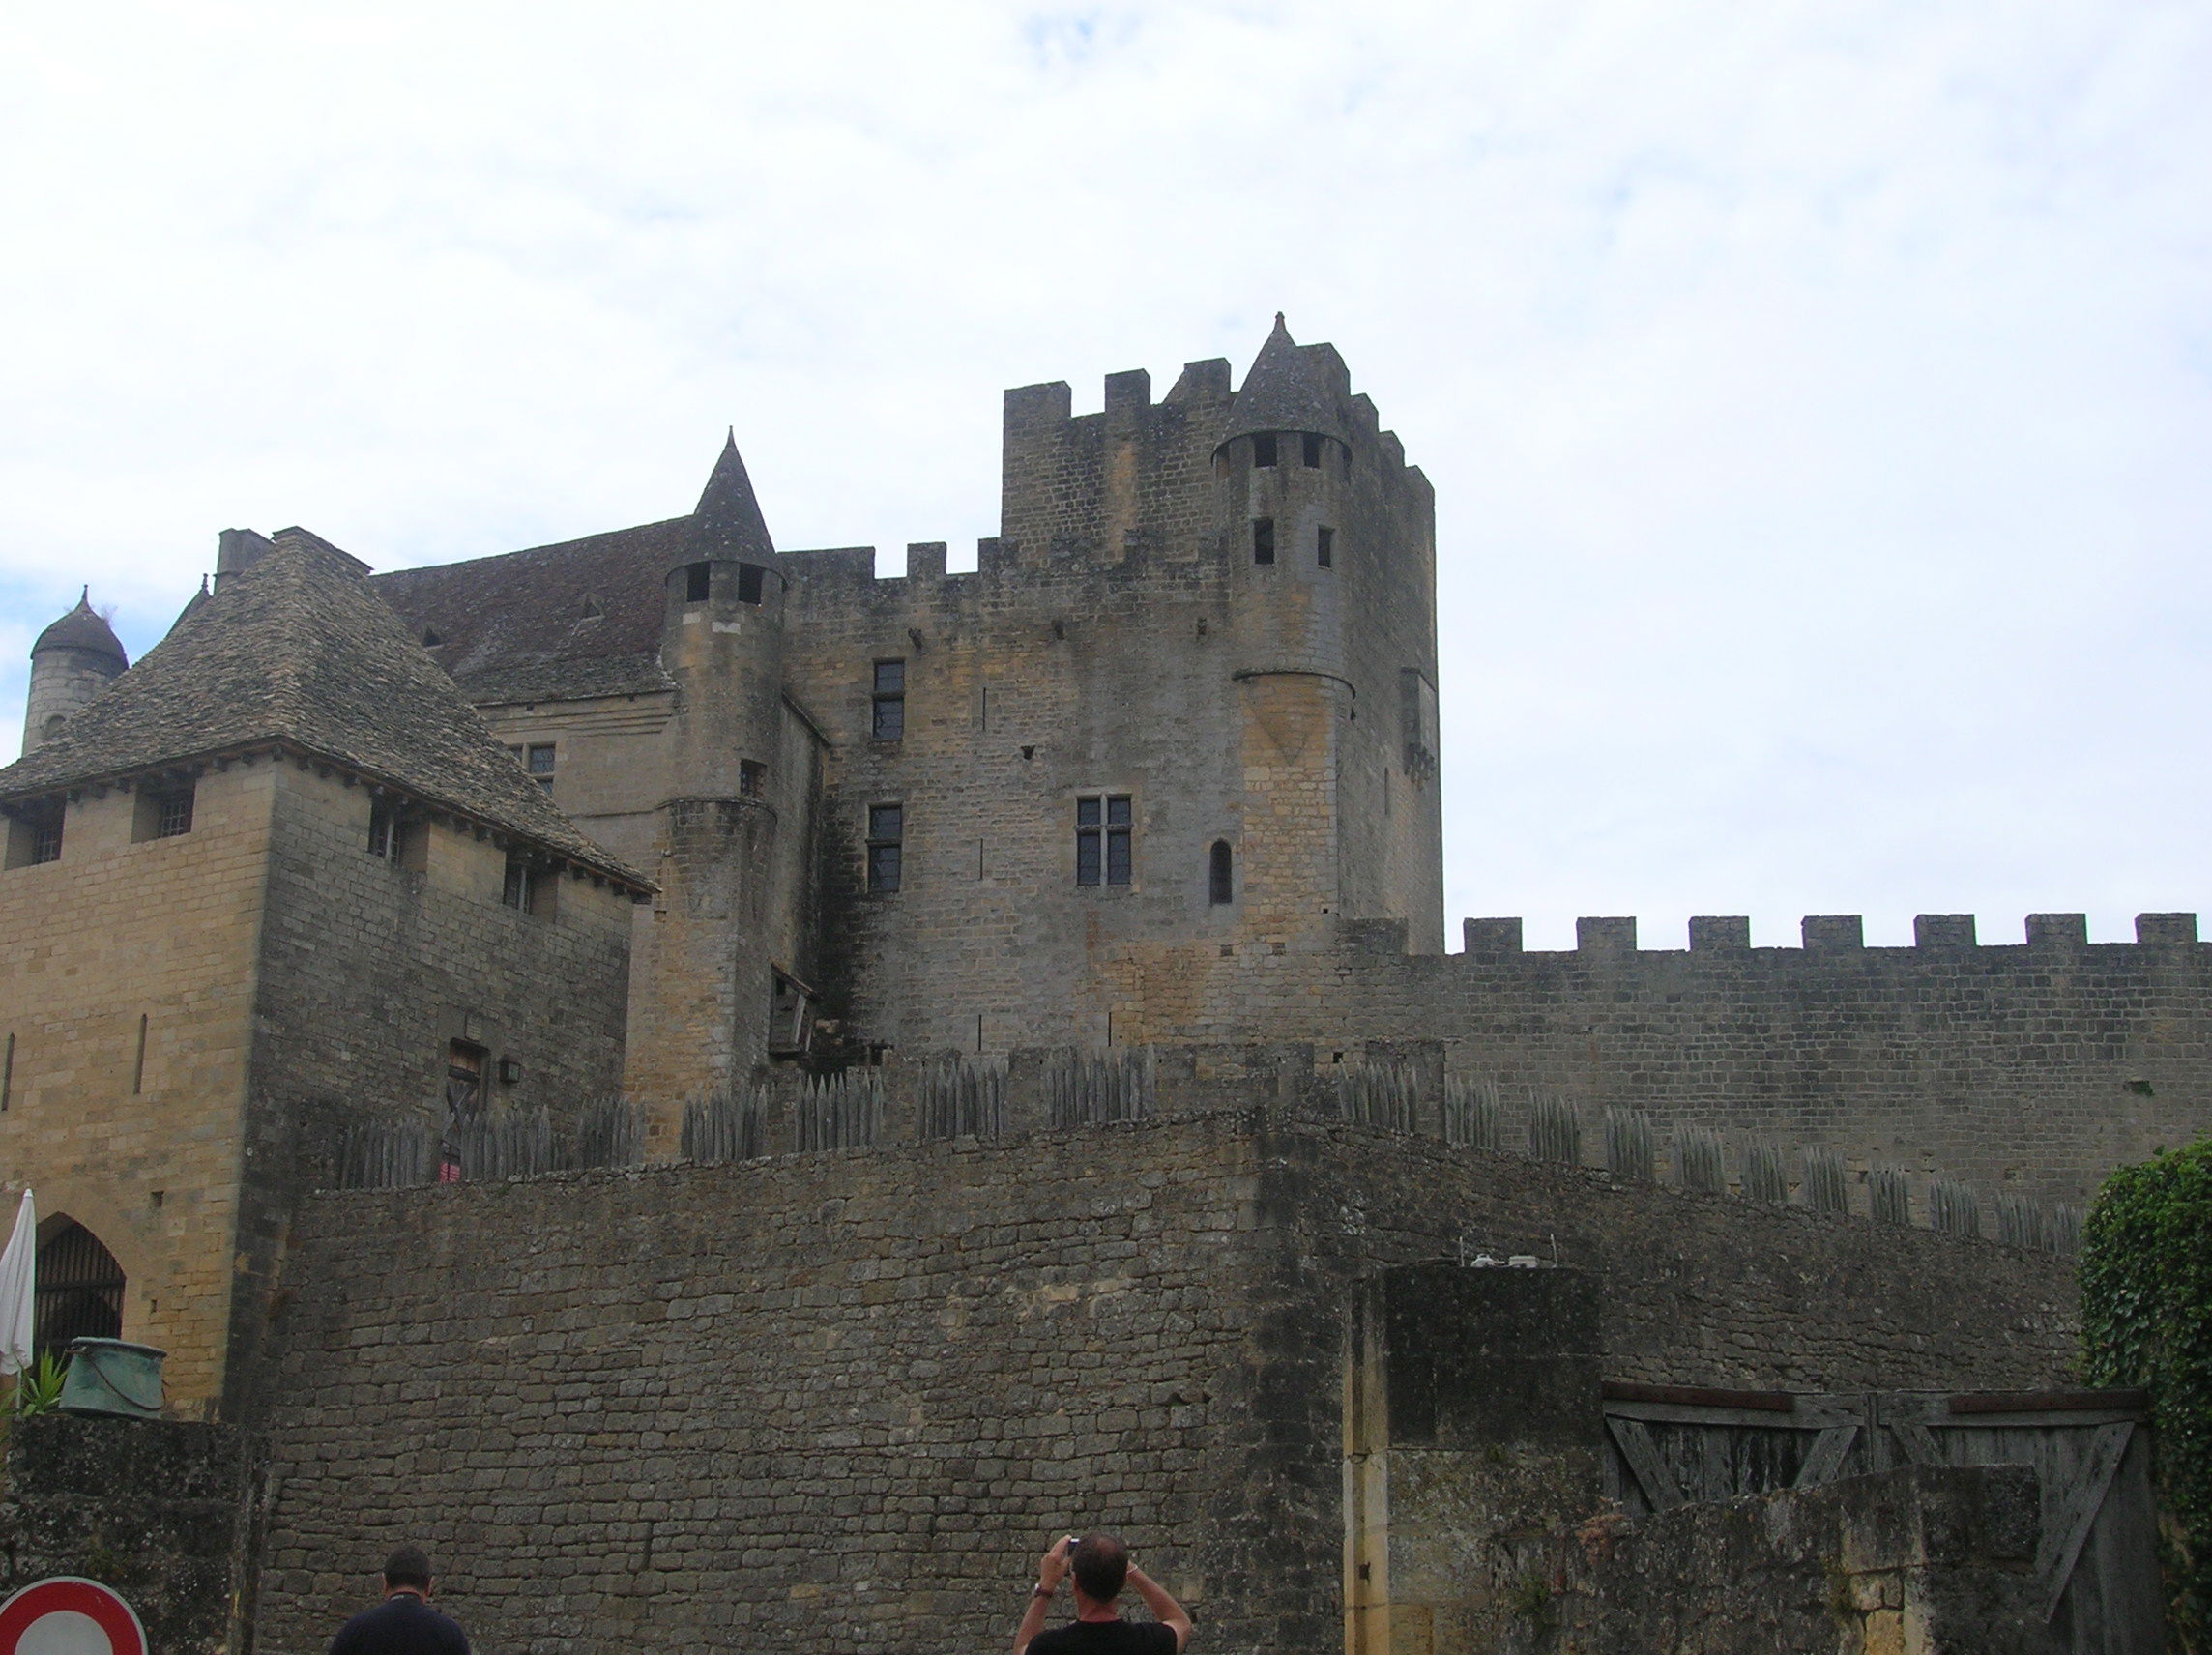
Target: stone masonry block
(1834,931)
(1943,931)
(2057,930)
(1710,932)
(1610,936)
(1491,936)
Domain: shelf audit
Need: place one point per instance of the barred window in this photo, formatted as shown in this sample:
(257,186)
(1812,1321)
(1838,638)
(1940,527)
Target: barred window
(1102,823)
(886,844)
(163,813)
(34,833)
(540,763)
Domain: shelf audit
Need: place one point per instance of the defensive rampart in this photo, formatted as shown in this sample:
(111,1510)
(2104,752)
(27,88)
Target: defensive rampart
(2030,1067)
(835,1400)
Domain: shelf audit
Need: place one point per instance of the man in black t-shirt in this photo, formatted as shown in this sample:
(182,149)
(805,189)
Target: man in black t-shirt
(404,1623)
(1102,1567)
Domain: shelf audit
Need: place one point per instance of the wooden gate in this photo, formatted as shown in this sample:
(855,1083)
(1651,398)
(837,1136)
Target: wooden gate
(2096,1559)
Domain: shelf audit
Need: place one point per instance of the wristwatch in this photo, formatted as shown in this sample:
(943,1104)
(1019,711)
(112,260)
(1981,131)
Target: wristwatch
(1043,1592)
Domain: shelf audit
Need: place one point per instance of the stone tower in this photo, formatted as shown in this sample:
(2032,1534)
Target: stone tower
(1330,543)
(722,646)
(73,661)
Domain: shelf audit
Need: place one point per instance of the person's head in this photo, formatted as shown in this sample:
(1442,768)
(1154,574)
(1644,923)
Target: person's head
(407,1568)
(1100,1564)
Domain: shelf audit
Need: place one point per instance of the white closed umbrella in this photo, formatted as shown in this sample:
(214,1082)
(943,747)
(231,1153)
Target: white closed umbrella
(18,1289)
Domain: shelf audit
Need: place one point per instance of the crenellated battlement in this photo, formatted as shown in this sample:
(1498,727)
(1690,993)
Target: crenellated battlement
(1827,933)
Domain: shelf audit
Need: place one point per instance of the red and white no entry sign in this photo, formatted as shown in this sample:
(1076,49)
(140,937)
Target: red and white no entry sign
(69,1616)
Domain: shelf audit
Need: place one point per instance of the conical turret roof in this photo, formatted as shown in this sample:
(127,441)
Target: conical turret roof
(1288,390)
(727,522)
(190,604)
(298,653)
(83,628)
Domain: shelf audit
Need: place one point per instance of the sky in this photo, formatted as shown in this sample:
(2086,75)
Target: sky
(1818,396)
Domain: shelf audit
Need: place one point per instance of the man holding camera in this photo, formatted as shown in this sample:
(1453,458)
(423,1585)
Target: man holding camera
(1102,1567)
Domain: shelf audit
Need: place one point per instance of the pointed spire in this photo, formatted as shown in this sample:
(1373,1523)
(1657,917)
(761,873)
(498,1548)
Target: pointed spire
(192,603)
(728,521)
(83,628)
(1288,389)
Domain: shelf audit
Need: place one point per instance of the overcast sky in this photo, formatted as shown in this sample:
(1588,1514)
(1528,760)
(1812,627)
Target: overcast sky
(1819,398)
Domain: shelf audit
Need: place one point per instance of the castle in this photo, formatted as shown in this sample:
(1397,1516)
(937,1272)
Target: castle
(1133,829)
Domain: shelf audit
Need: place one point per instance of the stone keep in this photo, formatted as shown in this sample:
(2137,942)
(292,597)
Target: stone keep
(1210,623)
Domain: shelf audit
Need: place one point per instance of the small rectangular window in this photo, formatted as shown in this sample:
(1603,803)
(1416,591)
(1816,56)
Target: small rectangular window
(34,835)
(1312,449)
(383,830)
(1263,539)
(888,722)
(698,582)
(1103,828)
(886,843)
(1263,448)
(540,763)
(163,813)
(748,582)
(752,776)
(1325,547)
(534,889)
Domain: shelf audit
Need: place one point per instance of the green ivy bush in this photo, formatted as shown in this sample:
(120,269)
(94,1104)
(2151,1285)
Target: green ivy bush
(2146,1320)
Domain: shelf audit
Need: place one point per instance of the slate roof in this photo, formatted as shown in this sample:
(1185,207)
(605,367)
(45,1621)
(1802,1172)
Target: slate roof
(520,626)
(727,521)
(580,618)
(1288,390)
(298,651)
(83,628)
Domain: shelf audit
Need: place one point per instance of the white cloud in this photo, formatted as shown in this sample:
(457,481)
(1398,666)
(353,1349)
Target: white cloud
(1817,395)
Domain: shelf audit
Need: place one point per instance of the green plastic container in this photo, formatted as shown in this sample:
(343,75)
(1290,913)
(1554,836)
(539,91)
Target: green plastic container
(113,1377)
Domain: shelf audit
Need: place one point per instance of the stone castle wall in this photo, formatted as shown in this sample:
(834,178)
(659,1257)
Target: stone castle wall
(2031,1068)
(370,966)
(137,1137)
(197,1020)
(840,1400)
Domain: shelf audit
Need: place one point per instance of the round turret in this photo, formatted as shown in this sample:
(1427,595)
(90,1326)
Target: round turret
(73,661)
(1287,391)
(1283,472)
(722,637)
